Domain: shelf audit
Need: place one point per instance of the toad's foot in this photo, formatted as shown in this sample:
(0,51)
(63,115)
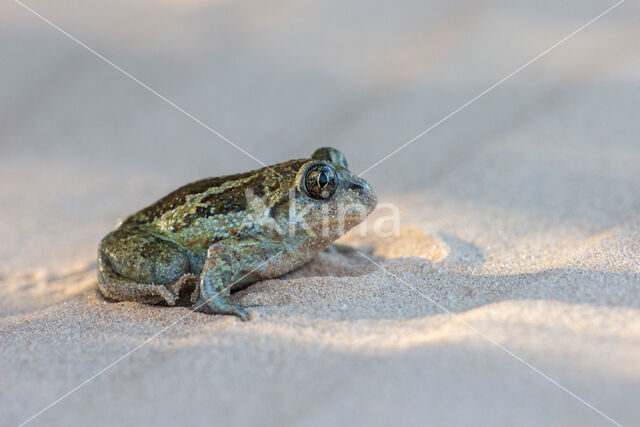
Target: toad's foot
(116,287)
(161,291)
(232,263)
(221,306)
(123,290)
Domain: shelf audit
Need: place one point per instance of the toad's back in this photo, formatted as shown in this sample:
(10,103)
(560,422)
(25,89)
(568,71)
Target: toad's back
(212,209)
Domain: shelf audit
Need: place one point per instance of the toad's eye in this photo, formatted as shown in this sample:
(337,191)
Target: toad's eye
(320,180)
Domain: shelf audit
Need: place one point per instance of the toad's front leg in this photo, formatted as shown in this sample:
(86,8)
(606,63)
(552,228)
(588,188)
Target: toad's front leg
(231,263)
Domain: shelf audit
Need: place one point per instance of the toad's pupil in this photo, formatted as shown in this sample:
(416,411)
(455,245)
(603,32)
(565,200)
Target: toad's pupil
(323,180)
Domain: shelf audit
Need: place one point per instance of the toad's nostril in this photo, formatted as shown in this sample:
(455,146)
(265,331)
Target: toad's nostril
(359,185)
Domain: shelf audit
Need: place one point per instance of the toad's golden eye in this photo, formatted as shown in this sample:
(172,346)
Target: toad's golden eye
(320,180)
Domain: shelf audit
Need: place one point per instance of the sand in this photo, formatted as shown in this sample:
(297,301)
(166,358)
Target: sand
(509,296)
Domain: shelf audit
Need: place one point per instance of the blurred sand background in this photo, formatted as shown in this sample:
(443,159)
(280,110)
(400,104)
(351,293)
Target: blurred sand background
(520,214)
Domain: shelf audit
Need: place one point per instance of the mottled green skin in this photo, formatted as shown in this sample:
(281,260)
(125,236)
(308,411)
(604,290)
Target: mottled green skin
(228,232)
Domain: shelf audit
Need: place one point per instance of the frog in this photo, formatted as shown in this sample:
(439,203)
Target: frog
(220,235)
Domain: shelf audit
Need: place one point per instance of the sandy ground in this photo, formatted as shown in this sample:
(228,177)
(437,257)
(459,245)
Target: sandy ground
(519,215)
